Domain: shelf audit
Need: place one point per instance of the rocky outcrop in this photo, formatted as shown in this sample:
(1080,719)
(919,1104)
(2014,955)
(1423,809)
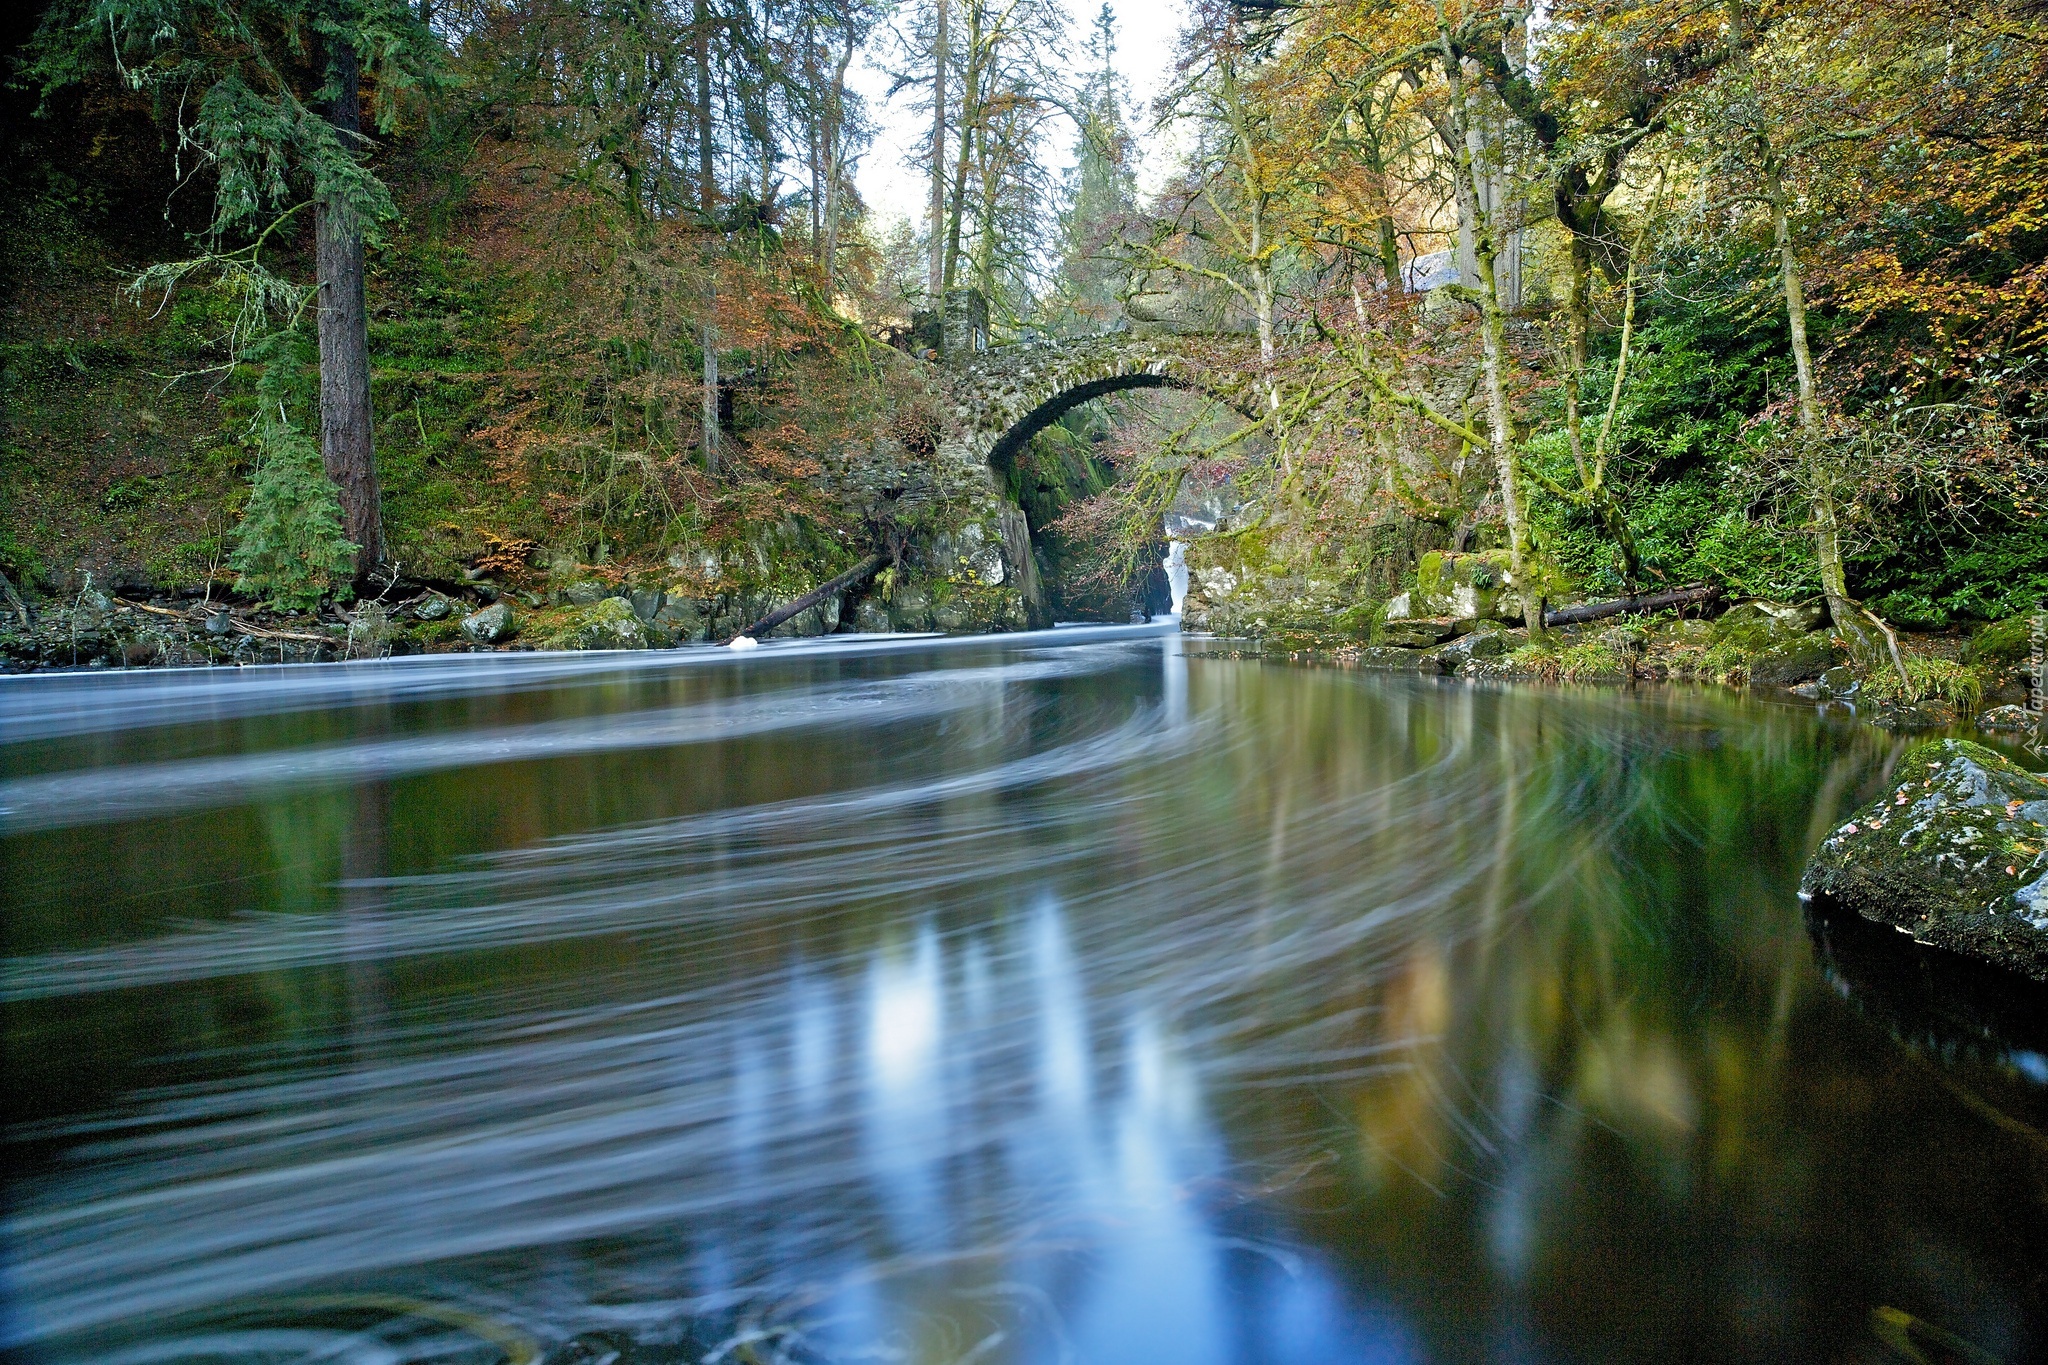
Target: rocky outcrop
(1954,854)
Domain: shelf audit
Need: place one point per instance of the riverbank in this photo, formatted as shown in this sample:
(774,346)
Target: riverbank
(1958,676)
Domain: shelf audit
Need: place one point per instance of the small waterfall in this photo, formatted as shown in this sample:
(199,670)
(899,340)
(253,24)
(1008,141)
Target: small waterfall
(1176,563)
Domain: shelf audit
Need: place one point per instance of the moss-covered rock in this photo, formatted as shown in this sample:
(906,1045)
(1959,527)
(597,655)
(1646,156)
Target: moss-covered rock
(1757,625)
(1421,633)
(1390,659)
(608,623)
(1956,854)
(1792,661)
(1457,585)
(2002,642)
(493,625)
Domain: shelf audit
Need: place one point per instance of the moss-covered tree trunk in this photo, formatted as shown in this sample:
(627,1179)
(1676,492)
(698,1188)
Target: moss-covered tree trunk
(1483,225)
(1850,620)
(347,446)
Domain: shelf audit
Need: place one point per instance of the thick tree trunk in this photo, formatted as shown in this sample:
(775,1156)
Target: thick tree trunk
(1390,258)
(835,116)
(347,447)
(707,205)
(970,100)
(937,280)
(1500,436)
(1478,232)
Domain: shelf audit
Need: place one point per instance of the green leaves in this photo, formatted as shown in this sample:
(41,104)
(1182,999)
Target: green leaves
(245,86)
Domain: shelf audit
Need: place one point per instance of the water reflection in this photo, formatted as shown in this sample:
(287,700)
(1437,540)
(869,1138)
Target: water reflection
(1097,1004)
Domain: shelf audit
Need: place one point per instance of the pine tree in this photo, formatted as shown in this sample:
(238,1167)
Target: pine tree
(1102,195)
(269,97)
(291,551)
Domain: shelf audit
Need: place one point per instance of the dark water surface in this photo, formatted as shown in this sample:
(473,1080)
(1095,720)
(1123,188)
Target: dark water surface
(994,1001)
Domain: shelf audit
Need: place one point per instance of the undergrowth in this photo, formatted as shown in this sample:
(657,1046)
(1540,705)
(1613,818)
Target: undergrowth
(1932,679)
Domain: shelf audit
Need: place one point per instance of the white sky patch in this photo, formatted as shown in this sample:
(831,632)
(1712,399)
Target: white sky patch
(1145,34)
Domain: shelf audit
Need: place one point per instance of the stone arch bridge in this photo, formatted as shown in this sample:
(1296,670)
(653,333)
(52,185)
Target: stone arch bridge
(1003,397)
(998,399)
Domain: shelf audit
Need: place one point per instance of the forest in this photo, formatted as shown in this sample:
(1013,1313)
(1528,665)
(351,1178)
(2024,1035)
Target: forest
(330,322)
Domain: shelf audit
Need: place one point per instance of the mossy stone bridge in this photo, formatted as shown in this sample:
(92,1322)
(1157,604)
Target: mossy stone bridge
(1003,397)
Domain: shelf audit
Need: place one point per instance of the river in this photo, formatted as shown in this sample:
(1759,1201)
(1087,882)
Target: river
(1072,997)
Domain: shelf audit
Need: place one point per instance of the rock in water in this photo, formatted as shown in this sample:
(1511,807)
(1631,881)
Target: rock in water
(1956,854)
(489,626)
(2015,719)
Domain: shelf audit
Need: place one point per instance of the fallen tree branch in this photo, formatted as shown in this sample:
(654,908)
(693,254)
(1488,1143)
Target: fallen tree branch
(240,627)
(159,611)
(1704,595)
(859,573)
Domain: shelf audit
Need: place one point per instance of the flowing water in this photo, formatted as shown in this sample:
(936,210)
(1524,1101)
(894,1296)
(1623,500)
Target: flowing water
(1074,998)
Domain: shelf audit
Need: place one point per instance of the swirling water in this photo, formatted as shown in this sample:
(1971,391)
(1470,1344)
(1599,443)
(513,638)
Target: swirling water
(1061,998)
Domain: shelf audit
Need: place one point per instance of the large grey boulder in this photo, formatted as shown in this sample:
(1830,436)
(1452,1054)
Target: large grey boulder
(493,624)
(1955,854)
(1481,644)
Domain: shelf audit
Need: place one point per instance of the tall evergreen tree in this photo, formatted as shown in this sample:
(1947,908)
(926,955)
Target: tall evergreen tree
(269,98)
(1102,195)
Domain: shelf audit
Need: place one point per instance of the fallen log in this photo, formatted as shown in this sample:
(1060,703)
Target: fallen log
(859,573)
(1700,596)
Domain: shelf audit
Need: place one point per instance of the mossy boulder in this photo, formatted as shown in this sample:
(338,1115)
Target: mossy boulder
(493,625)
(2002,642)
(1769,644)
(1421,633)
(1955,854)
(1758,625)
(1390,659)
(1792,661)
(608,623)
(1455,585)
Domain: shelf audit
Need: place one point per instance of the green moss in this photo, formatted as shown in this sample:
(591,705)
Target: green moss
(2002,642)
(1362,621)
